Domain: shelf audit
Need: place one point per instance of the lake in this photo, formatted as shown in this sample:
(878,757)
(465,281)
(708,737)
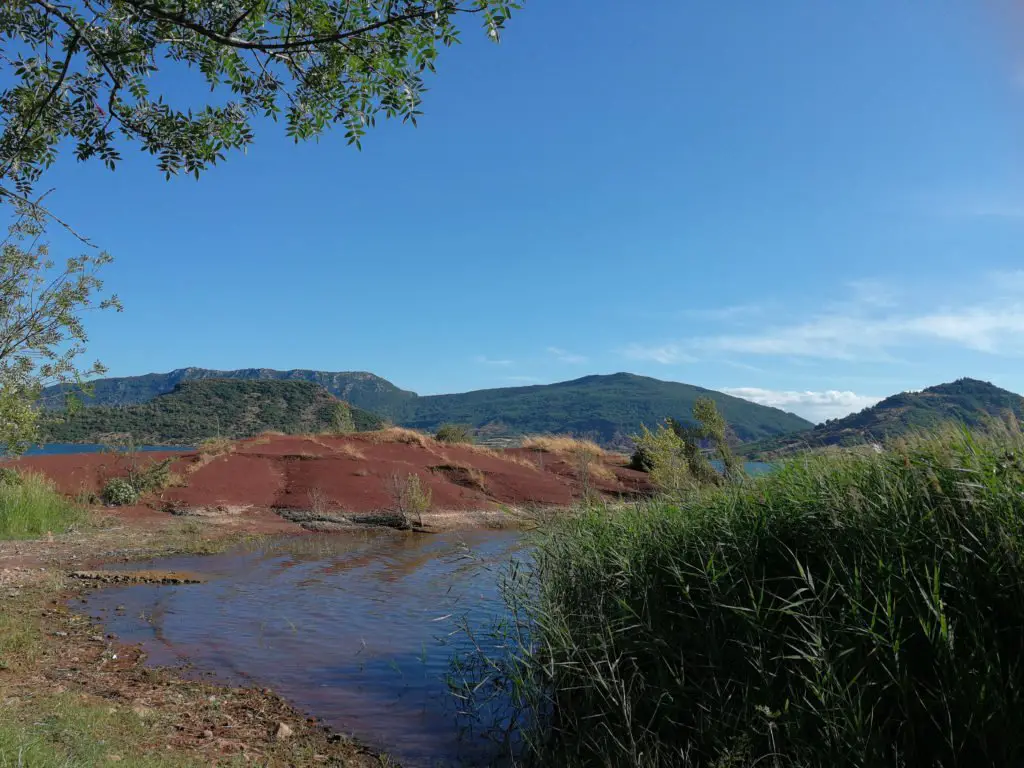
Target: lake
(357,629)
(50,449)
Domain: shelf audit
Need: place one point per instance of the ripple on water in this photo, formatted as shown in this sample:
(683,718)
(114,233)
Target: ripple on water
(357,629)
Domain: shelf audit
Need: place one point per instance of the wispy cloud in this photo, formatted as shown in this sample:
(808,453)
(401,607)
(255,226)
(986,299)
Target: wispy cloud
(566,357)
(666,354)
(724,314)
(875,323)
(814,406)
(484,360)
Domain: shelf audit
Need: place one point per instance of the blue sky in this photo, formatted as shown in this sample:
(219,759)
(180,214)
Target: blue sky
(812,205)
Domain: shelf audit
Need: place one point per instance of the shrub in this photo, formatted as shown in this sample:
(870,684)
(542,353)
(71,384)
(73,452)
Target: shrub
(410,499)
(342,422)
(851,609)
(32,507)
(119,492)
(662,454)
(454,433)
(10,476)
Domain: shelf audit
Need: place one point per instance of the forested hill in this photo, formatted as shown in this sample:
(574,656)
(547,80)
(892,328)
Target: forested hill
(607,408)
(196,410)
(964,401)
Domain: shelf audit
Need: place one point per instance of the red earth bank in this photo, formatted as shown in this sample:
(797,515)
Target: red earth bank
(355,474)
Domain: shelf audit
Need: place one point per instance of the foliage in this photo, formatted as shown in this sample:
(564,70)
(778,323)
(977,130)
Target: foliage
(369,392)
(964,401)
(41,330)
(31,507)
(608,407)
(10,476)
(119,492)
(342,422)
(409,499)
(674,457)
(83,74)
(850,609)
(210,408)
(454,433)
(663,455)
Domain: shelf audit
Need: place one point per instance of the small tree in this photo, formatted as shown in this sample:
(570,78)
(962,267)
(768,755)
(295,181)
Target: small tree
(42,335)
(662,454)
(342,422)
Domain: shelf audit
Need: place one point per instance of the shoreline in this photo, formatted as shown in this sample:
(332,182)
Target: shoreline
(59,667)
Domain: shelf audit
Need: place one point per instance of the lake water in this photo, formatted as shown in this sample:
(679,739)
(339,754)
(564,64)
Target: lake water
(356,629)
(69,448)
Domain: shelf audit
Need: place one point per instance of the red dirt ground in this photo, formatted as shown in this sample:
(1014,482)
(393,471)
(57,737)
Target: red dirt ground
(354,474)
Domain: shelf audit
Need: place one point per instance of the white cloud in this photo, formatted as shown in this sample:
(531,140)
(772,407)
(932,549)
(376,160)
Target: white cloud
(566,357)
(484,360)
(814,406)
(666,354)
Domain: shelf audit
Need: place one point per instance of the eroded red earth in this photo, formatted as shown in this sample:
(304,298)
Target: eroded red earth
(355,475)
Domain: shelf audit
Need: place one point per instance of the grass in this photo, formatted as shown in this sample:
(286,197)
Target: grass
(852,609)
(63,734)
(398,435)
(563,444)
(32,507)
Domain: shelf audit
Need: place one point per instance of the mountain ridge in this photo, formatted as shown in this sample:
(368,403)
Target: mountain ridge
(965,400)
(607,407)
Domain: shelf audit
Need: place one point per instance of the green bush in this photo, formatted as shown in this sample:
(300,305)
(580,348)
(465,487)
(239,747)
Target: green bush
(32,507)
(454,433)
(119,492)
(10,476)
(851,609)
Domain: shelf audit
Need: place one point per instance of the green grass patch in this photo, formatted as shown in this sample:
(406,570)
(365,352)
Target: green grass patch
(32,507)
(853,609)
(67,731)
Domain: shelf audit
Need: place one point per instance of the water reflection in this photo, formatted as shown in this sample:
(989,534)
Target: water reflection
(358,629)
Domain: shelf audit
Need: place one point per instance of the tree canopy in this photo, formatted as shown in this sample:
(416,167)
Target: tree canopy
(83,70)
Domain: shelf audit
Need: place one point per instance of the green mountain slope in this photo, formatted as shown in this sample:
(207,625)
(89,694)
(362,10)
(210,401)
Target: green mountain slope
(361,389)
(966,401)
(608,408)
(195,410)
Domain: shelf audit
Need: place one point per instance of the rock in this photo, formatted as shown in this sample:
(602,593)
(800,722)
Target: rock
(283,732)
(207,734)
(60,634)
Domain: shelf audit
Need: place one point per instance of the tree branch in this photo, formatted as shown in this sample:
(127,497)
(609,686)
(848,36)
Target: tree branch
(285,45)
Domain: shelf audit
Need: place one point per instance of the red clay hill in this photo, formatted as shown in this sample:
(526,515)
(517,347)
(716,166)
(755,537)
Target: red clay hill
(312,479)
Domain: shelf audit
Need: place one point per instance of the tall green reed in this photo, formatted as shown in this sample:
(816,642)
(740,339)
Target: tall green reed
(850,609)
(30,507)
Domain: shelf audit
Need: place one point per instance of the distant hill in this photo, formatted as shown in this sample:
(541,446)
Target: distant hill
(361,389)
(195,410)
(966,401)
(607,408)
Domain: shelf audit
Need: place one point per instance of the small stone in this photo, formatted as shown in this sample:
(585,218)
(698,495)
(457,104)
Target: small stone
(283,732)
(60,634)
(114,758)
(207,734)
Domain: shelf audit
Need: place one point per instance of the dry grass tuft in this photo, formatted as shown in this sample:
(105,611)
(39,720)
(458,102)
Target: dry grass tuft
(511,458)
(350,451)
(398,435)
(463,474)
(563,444)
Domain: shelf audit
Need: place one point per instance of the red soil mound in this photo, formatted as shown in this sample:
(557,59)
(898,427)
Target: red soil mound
(356,474)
